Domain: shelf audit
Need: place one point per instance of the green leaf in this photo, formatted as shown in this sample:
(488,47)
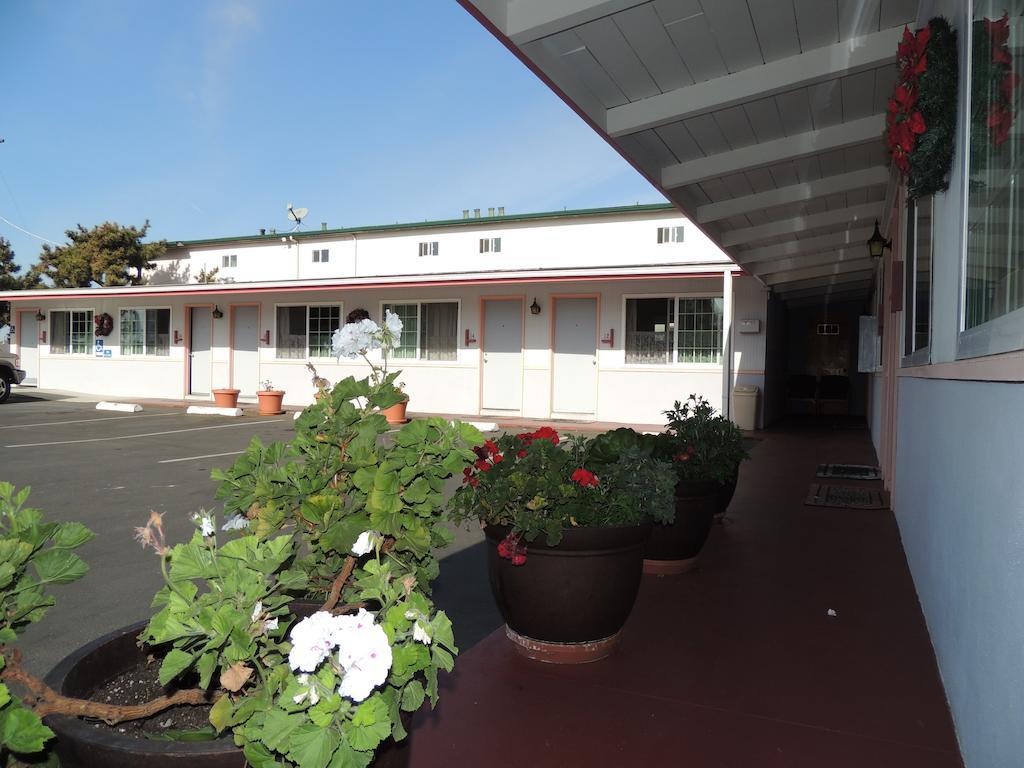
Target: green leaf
(71,535)
(470,434)
(342,535)
(58,566)
(207,664)
(346,757)
(258,756)
(199,734)
(278,728)
(312,747)
(412,696)
(192,561)
(371,724)
(418,491)
(175,662)
(220,713)
(21,731)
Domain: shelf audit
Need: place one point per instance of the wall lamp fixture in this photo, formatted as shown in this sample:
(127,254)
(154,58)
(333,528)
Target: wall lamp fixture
(535,307)
(217,314)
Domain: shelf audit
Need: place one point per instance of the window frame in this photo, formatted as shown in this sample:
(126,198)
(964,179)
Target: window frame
(674,234)
(306,353)
(923,355)
(428,248)
(145,346)
(228,257)
(675,297)
(91,325)
(1003,333)
(321,256)
(490,245)
(419,359)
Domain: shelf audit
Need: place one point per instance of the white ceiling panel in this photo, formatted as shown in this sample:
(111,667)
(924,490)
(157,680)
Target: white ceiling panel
(775,26)
(858,17)
(795,111)
(607,45)
(574,54)
(885,77)
(858,95)
(715,190)
(737,185)
(832,163)
(764,118)
(734,32)
(707,134)
(694,39)
(807,168)
(896,13)
(658,54)
(826,103)
(784,174)
(735,127)
(679,141)
(760,180)
(817,23)
(651,149)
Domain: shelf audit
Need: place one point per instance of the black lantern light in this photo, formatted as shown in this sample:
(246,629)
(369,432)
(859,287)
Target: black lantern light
(535,308)
(877,244)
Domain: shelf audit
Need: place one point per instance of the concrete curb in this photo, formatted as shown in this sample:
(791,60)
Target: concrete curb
(212,410)
(124,407)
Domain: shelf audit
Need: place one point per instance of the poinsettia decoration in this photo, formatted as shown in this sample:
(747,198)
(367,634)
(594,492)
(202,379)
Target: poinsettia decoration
(994,83)
(921,114)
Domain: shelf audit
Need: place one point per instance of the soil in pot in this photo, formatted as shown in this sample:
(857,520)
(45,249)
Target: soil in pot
(567,603)
(673,549)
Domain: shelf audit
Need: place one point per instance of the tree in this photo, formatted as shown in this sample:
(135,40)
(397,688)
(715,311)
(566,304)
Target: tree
(10,280)
(107,254)
(207,275)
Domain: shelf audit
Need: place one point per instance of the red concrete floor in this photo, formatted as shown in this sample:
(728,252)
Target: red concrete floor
(736,665)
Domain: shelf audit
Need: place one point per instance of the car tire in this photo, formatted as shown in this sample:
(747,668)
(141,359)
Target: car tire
(5,389)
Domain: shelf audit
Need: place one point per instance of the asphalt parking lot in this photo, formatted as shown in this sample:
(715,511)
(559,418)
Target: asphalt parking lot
(108,470)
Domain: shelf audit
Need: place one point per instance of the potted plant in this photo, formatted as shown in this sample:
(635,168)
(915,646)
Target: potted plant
(301,626)
(565,528)
(705,449)
(226,398)
(270,399)
(395,414)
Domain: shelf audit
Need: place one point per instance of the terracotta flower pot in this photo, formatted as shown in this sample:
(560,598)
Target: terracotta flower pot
(81,744)
(674,548)
(567,603)
(226,398)
(270,401)
(396,413)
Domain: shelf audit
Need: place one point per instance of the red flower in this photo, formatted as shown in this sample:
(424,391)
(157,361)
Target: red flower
(585,478)
(523,453)
(1009,85)
(482,465)
(1000,120)
(546,433)
(917,123)
(498,458)
(474,482)
(467,471)
(491,447)
(512,548)
(519,559)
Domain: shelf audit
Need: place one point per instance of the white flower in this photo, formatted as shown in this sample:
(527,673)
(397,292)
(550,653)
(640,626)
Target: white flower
(5,334)
(311,692)
(312,641)
(256,611)
(393,323)
(354,338)
(270,625)
(206,526)
(421,633)
(365,543)
(364,653)
(235,523)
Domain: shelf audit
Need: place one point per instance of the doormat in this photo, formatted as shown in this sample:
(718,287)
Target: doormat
(845,496)
(849,471)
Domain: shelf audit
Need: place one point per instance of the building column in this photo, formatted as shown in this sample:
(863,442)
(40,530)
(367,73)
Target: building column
(727,312)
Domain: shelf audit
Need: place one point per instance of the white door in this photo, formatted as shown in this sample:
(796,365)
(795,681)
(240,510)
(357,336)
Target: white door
(28,346)
(575,364)
(245,336)
(200,329)
(503,356)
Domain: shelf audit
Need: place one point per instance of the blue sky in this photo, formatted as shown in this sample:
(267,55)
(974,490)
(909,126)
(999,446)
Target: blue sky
(208,116)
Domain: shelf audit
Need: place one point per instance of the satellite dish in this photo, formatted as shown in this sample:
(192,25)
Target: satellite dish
(297,215)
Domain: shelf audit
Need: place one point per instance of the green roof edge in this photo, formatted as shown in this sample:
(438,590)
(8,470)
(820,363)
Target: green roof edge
(316,233)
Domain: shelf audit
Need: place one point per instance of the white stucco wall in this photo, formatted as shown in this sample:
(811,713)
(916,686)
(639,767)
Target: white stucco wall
(959,501)
(626,393)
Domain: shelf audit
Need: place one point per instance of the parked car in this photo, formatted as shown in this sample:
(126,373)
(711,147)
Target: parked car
(10,374)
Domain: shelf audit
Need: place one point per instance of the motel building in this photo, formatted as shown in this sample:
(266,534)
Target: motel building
(608,315)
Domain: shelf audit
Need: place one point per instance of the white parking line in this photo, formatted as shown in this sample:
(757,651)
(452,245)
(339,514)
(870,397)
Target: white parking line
(82,421)
(147,434)
(204,456)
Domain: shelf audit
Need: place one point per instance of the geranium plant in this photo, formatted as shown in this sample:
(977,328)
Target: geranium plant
(537,483)
(702,445)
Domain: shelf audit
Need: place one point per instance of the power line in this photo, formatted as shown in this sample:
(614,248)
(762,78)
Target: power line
(30,234)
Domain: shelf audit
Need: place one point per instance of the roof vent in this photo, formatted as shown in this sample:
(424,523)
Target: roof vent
(501,210)
(490,212)
(263,231)
(273,231)
(465,213)
(323,226)
(476,213)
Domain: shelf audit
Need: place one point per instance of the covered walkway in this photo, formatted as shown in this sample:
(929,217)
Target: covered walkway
(738,664)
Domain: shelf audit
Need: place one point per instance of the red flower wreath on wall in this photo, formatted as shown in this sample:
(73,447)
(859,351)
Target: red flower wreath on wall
(904,122)
(1000,110)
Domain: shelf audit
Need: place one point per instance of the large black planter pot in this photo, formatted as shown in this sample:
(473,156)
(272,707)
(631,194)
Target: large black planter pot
(673,549)
(567,603)
(80,744)
(726,491)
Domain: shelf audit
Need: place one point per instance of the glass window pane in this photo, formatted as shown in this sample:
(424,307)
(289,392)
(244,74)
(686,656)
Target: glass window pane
(82,332)
(291,333)
(702,344)
(409,315)
(994,283)
(158,332)
(132,337)
(59,333)
(439,330)
(323,322)
(649,331)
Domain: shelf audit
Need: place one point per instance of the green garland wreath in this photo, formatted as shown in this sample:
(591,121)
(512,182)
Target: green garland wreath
(921,120)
